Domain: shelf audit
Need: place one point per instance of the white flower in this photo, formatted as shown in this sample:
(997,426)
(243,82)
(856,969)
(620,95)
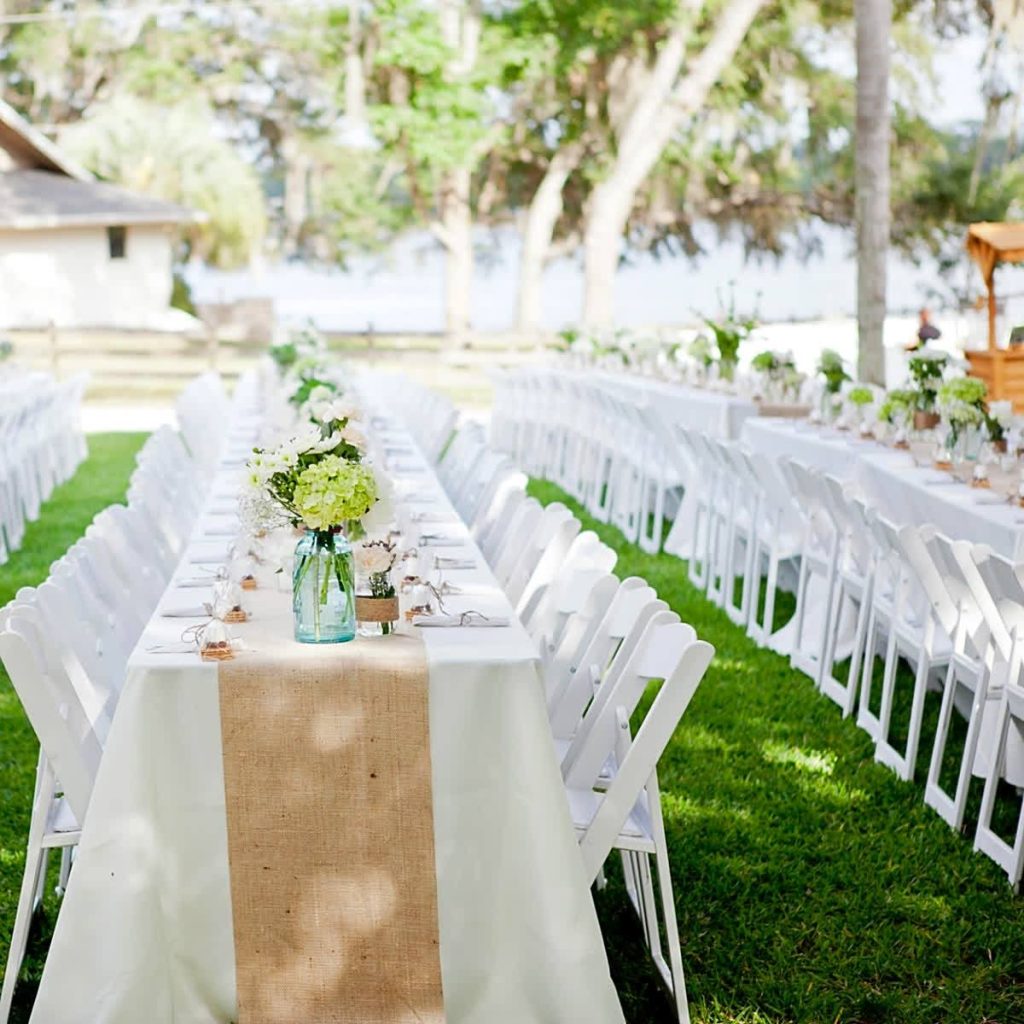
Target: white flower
(338,409)
(354,437)
(1002,413)
(374,557)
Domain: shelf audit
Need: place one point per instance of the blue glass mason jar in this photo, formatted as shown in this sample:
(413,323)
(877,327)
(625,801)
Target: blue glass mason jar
(323,588)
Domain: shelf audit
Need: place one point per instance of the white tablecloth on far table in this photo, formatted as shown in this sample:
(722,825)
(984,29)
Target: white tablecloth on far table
(890,479)
(714,412)
(145,936)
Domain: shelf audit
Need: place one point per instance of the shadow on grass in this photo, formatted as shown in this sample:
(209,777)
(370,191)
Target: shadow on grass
(811,884)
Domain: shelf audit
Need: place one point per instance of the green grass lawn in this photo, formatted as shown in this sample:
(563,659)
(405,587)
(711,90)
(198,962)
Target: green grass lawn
(811,884)
(100,481)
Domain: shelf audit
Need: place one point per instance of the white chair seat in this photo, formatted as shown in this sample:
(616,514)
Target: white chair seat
(61,819)
(635,834)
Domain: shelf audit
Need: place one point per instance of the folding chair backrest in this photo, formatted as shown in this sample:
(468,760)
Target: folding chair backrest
(648,745)
(61,725)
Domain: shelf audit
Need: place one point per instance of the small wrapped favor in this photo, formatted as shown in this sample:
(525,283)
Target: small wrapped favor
(227,602)
(215,642)
(979,478)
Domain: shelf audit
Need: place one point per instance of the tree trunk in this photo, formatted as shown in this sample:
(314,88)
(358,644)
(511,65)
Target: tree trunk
(457,234)
(296,198)
(460,22)
(874,19)
(656,116)
(541,218)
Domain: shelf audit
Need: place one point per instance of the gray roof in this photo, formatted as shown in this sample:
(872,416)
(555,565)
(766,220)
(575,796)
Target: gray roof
(36,199)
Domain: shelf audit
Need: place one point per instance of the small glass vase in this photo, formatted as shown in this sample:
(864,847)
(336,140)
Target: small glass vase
(377,609)
(323,589)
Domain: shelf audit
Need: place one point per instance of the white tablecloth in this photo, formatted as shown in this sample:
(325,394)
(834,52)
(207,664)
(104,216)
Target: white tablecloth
(144,935)
(902,490)
(714,412)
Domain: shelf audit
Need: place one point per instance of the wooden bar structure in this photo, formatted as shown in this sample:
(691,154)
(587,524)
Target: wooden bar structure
(1002,369)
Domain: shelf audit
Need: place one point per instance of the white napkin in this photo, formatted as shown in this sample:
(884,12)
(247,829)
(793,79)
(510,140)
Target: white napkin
(464,621)
(218,554)
(195,582)
(186,611)
(177,648)
(442,562)
(437,540)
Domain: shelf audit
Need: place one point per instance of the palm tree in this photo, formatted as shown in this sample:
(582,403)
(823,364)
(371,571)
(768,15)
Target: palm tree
(874,20)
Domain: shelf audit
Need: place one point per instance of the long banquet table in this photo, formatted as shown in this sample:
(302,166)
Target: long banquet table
(145,930)
(890,479)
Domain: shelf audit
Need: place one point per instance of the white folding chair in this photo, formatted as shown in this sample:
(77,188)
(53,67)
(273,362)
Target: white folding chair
(627,816)
(1009,728)
(68,761)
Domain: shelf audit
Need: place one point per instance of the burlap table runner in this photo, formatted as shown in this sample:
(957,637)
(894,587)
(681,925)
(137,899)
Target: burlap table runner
(327,782)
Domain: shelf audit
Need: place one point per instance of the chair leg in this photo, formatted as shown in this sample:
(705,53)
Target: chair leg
(675,953)
(902,763)
(866,718)
(1009,858)
(952,809)
(30,883)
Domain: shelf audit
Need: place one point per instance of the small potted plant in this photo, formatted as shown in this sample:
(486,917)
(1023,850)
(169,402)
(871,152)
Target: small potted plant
(377,609)
(861,397)
(699,351)
(961,403)
(998,420)
(833,370)
(729,334)
(927,366)
(896,410)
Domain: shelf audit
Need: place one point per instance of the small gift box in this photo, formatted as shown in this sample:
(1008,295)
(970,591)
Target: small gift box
(980,476)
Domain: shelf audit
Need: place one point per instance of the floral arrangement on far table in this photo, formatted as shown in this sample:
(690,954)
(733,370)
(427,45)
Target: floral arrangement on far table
(961,403)
(833,369)
(927,368)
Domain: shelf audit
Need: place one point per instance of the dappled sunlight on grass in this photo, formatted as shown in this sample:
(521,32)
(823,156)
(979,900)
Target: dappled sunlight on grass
(811,884)
(807,760)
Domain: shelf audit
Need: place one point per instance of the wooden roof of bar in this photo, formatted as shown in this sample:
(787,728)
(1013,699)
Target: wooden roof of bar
(990,244)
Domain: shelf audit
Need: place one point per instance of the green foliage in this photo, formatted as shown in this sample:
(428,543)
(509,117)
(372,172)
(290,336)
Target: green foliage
(174,154)
(860,395)
(729,331)
(181,294)
(811,885)
(832,368)
(897,404)
(927,367)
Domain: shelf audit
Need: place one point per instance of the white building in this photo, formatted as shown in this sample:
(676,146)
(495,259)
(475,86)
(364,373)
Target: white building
(76,252)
